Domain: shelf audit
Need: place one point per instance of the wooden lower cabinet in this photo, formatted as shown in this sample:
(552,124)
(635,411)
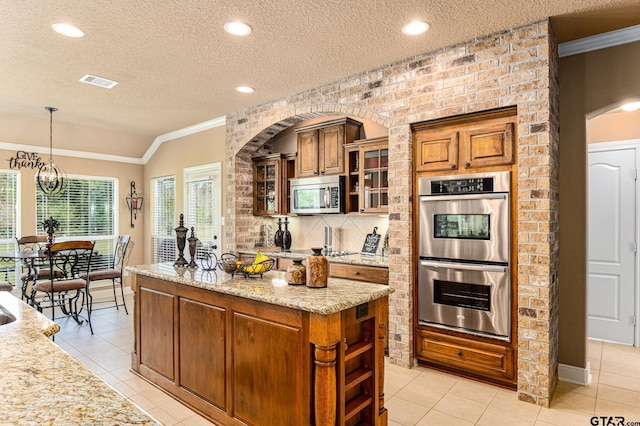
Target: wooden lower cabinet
(488,361)
(370,274)
(242,362)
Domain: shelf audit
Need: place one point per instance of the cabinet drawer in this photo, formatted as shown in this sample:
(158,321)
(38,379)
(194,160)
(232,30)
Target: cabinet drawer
(491,361)
(360,273)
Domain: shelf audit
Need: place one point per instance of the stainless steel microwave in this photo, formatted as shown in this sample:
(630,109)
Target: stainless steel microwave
(317,195)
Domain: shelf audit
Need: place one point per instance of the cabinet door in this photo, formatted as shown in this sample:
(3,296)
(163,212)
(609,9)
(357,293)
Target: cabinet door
(489,144)
(330,150)
(267,187)
(157,342)
(308,153)
(436,150)
(266,388)
(202,371)
(375,179)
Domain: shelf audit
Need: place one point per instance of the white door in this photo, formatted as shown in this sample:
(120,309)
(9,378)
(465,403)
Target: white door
(612,230)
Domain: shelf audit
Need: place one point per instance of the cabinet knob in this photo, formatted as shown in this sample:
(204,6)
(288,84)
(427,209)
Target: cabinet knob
(453,167)
(467,164)
(459,353)
(356,273)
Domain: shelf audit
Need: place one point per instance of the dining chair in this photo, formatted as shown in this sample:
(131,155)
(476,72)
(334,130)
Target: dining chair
(68,261)
(115,270)
(33,269)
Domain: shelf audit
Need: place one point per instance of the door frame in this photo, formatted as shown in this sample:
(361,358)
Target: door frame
(616,146)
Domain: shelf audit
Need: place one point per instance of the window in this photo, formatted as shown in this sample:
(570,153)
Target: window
(86,210)
(202,206)
(164,219)
(9,223)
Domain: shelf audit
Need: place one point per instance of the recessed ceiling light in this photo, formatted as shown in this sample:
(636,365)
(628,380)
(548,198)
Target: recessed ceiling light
(237,28)
(67,30)
(415,28)
(245,89)
(632,106)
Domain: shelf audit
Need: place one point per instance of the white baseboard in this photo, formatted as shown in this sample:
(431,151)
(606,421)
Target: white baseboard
(576,375)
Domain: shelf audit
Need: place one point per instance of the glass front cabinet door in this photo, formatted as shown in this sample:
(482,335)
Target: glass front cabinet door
(368,176)
(267,189)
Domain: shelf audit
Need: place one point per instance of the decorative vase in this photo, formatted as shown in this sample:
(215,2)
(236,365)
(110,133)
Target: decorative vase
(317,269)
(181,239)
(297,273)
(286,236)
(279,234)
(193,241)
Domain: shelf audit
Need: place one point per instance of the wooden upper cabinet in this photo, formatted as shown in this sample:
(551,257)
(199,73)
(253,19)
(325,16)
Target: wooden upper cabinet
(465,143)
(268,196)
(308,153)
(330,150)
(437,150)
(321,146)
(490,144)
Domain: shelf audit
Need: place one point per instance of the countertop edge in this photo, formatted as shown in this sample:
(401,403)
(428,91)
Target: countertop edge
(340,294)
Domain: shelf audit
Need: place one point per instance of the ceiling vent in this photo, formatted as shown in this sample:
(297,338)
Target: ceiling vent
(98,81)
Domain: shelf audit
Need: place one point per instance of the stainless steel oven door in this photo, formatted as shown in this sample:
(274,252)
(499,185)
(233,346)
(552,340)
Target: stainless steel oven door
(465,227)
(474,298)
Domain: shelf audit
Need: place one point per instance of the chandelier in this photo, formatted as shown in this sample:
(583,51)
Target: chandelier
(51,178)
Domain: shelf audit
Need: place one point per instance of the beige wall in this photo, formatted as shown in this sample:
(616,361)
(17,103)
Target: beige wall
(172,158)
(590,83)
(124,172)
(614,126)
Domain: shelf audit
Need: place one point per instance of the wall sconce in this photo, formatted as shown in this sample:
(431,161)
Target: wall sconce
(134,202)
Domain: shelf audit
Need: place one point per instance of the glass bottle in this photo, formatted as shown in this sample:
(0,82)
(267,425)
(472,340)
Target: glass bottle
(286,236)
(279,234)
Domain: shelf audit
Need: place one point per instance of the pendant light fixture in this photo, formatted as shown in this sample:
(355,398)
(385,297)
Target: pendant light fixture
(51,178)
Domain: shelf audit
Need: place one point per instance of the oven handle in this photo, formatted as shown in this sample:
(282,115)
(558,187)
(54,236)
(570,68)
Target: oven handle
(485,196)
(464,266)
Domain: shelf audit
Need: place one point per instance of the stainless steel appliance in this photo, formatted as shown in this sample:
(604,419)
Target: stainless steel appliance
(464,247)
(317,195)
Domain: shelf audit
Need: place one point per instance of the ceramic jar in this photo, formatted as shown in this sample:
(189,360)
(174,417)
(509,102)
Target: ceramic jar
(297,273)
(317,269)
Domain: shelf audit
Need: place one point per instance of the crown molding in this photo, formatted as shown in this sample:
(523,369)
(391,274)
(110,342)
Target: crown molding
(69,153)
(599,41)
(176,134)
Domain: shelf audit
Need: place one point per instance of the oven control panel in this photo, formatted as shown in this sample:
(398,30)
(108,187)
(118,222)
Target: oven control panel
(462,186)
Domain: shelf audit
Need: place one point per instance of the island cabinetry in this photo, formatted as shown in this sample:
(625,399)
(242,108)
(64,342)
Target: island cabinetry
(472,142)
(367,176)
(246,362)
(321,146)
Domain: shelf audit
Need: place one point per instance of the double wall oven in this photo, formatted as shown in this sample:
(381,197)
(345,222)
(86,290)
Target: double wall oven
(464,279)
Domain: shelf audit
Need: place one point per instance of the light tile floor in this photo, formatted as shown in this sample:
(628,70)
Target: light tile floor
(417,396)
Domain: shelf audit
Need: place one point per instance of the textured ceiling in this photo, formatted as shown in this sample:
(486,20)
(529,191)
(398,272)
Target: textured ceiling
(177,67)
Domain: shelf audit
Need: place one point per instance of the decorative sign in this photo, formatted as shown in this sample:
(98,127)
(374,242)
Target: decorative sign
(371,243)
(24,159)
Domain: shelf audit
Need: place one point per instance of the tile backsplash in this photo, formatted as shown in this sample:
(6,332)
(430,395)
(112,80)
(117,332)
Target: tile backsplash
(349,231)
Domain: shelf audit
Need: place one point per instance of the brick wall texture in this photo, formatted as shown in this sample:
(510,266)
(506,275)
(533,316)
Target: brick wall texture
(513,67)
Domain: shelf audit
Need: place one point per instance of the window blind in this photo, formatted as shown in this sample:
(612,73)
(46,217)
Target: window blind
(202,207)
(86,210)
(9,201)
(164,219)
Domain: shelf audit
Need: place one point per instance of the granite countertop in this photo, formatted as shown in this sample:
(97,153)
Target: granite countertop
(352,259)
(340,294)
(42,384)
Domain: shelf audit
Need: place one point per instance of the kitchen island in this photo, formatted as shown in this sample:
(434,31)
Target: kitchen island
(42,384)
(258,351)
